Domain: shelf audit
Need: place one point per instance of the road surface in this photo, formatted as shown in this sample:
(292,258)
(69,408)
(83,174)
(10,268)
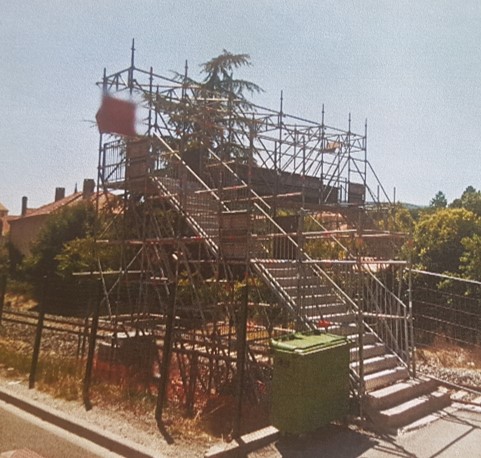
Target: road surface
(20,430)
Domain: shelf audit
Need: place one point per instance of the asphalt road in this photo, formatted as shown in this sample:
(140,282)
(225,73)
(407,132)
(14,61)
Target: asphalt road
(20,430)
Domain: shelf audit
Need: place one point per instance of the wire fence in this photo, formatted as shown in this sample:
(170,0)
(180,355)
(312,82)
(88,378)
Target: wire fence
(446,308)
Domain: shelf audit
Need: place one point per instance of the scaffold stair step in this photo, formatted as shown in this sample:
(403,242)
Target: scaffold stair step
(386,377)
(398,393)
(376,363)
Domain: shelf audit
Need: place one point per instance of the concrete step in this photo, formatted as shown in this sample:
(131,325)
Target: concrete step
(319,311)
(290,278)
(193,202)
(202,219)
(202,215)
(344,329)
(390,420)
(321,302)
(207,226)
(317,300)
(369,351)
(386,377)
(345,317)
(398,393)
(367,338)
(376,364)
(350,331)
(281,270)
(307,290)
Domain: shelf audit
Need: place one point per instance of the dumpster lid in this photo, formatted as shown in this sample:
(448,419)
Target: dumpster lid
(300,342)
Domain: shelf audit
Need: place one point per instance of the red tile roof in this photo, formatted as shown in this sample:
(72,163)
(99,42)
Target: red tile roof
(54,206)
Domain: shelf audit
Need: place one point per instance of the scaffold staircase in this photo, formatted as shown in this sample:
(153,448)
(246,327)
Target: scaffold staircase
(243,163)
(382,379)
(392,398)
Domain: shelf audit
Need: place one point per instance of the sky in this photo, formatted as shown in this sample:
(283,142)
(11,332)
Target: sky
(411,68)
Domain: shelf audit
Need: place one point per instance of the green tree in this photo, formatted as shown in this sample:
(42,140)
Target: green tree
(397,219)
(470,200)
(85,255)
(439,200)
(471,258)
(205,119)
(69,223)
(438,236)
(219,75)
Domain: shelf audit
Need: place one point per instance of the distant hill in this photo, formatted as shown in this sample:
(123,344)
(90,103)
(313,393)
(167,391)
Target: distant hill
(413,206)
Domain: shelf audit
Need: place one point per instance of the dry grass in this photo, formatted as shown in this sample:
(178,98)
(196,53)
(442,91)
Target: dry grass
(63,377)
(125,392)
(443,353)
(59,377)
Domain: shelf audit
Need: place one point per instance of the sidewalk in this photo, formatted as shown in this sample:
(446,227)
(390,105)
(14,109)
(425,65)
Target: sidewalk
(456,434)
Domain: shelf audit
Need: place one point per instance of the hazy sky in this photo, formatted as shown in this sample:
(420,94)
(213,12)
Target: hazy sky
(412,68)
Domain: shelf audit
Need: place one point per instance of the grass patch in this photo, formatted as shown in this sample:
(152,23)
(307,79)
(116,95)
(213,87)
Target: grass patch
(60,377)
(443,353)
(63,378)
(129,395)
(20,288)
(16,361)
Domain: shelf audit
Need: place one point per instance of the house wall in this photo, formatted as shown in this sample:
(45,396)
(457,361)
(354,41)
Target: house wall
(23,231)
(3,222)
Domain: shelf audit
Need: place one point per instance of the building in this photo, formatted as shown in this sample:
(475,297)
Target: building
(25,228)
(3,219)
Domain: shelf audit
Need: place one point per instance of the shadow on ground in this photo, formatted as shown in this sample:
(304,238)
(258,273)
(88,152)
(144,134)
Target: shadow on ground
(456,433)
(334,441)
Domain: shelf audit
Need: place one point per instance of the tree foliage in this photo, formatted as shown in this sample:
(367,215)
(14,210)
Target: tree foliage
(439,200)
(397,219)
(438,238)
(69,223)
(213,106)
(470,200)
(219,75)
(471,257)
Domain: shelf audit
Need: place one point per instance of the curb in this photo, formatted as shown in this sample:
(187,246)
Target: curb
(245,444)
(106,440)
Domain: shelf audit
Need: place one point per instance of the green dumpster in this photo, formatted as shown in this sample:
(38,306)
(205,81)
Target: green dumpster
(310,386)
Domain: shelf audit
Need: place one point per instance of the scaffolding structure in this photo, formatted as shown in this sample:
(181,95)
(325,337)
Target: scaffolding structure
(231,224)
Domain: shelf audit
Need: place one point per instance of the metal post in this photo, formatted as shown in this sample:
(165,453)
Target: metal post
(151,81)
(323,152)
(360,325)
(241,357)
(242,318)
(411,342)
(300,269)
(278,156)
(360,317)
(91,352)
(365,162)
(130,80)
(38,336)
(3,290)
(167,350)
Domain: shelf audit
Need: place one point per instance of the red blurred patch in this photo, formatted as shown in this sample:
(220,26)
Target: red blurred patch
(323,324)
(116,116)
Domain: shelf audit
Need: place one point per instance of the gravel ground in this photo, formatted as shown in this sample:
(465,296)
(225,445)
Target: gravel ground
(456,365)
(458,376)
